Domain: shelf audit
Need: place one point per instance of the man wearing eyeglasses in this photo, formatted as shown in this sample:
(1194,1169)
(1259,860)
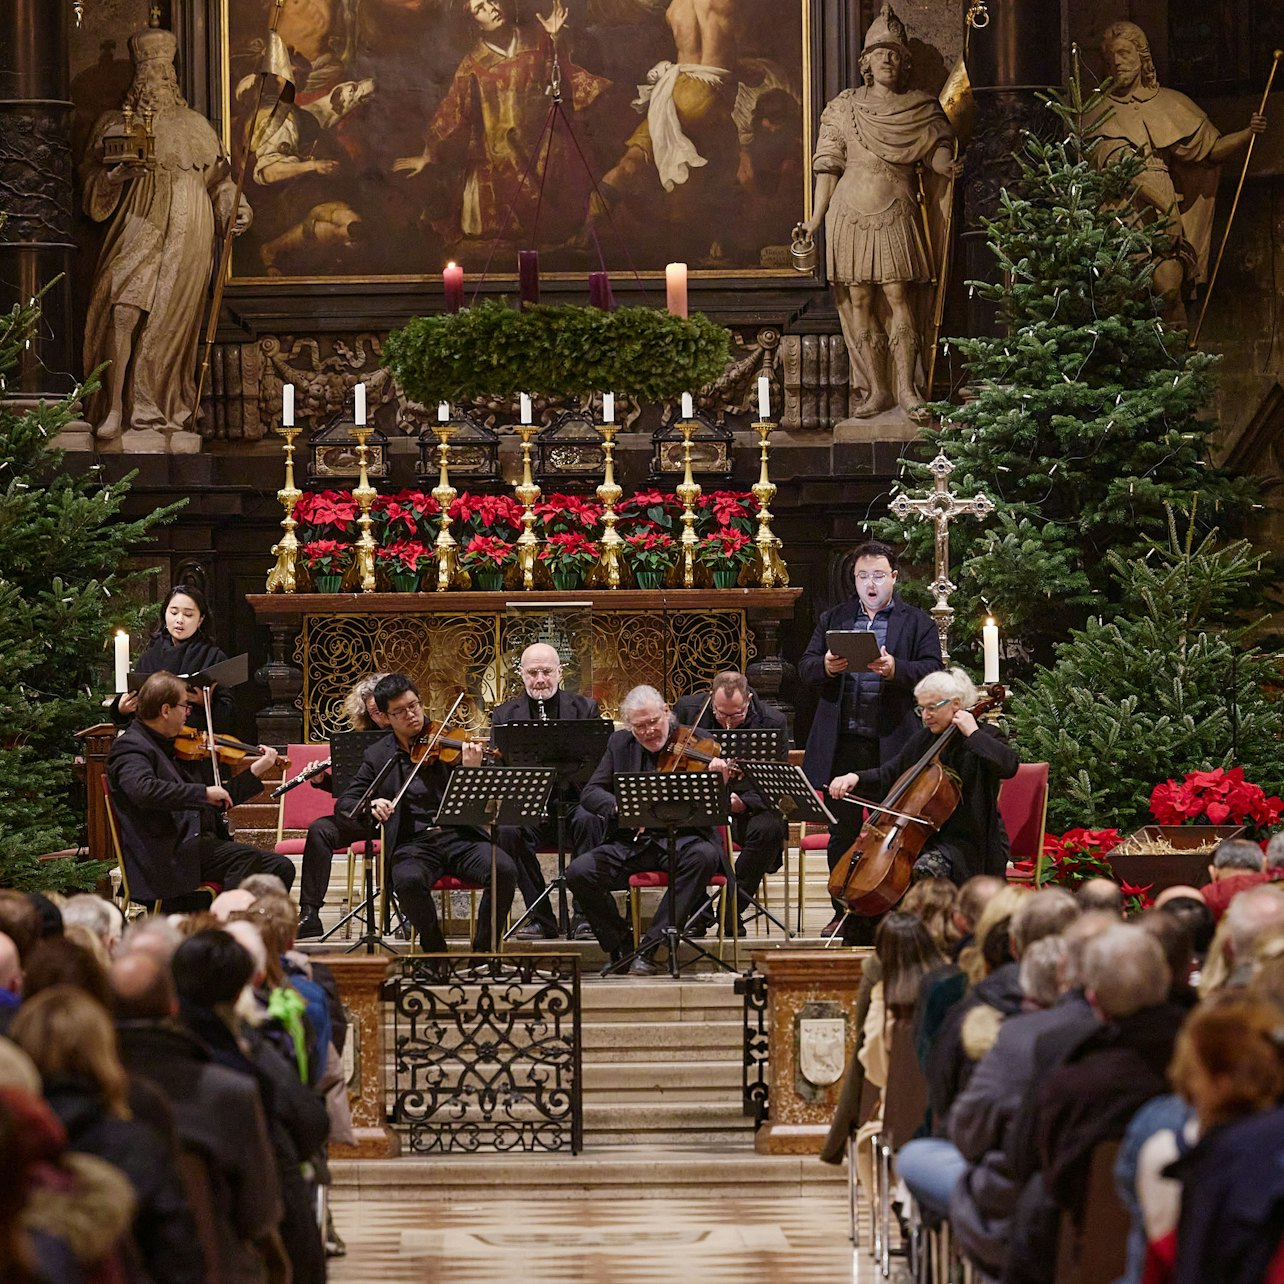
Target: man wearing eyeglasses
(594,875)
(758,828)
(171,829)
(545,701)
(863,719)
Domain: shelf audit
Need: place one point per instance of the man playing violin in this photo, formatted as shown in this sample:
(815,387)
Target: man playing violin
(545,701)
(864,719)
(170,831)
(593,875)
(758,828)
(419,850)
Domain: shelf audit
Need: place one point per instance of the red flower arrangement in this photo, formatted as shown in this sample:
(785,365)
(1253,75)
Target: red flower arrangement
(567,514)
(322,509)
(1217,797)
(403,555)
(731,508)
(326,556)
(725,548)
(487,553)
(650,550)
(648,510)
(499,515)
(407,513)
(569,552)
(1078,855)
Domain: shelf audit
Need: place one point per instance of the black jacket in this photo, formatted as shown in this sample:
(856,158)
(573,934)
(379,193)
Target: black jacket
(688,707)
(912,638)
(185,659)
(160,810)
(565,705)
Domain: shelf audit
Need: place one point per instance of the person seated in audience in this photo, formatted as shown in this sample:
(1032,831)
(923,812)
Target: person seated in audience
(100,917)
(327,834)
(543,699)
(1237,865)
(264,885)
(62,960)
(1100,894)
(19,921)
(594,875)
(1253,914)
(1273,858)
(419,851)
(10,981)
(1191,912)
(172,827)
(1174,939)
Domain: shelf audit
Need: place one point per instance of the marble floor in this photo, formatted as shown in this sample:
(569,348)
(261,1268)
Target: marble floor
(767,1241)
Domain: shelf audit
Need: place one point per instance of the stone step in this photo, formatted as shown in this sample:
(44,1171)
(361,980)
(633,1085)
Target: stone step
(634,1082)
(662,1040)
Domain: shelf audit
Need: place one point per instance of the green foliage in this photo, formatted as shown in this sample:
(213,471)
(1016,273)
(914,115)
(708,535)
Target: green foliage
(63,589)
(1083,424)
(1157,691)
(491,350)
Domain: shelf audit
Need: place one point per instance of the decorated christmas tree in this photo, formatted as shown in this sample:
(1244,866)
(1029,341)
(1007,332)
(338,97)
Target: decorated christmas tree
(1081,420)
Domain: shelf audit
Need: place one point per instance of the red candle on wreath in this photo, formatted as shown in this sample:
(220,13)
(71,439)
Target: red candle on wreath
(452,282)
(600,295)
(528,277)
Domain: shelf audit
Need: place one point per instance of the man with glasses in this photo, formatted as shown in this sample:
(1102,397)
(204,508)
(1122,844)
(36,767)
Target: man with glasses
(758,828)
(594,875)
(419,851)
(545,701)
(172,825)
(863,719)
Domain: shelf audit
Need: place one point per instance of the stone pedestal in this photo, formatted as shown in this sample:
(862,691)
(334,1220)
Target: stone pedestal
(360,978)
(811,1000)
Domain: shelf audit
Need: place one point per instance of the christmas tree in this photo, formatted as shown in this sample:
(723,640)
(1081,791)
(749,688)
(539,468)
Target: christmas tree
(1081,421)
(63,589)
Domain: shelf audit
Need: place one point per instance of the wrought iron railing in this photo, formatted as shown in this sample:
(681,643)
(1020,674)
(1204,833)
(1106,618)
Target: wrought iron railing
(486,1053)
(753,986)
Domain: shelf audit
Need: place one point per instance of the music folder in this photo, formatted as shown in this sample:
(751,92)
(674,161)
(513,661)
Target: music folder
(859,647)
(227,673)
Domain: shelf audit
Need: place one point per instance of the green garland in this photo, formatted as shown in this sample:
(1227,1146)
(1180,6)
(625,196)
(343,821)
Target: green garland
(491,350)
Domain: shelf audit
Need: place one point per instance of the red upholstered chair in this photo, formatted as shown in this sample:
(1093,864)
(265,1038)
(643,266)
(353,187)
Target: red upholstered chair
(1023,804)
(657,878)
(304,803)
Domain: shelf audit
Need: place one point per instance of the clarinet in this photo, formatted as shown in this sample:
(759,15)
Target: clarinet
(312,769)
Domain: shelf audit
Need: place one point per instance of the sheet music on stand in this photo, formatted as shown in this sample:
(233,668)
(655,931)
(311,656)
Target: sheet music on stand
(765,744)
(789,791)
(484,796)
(347,749)
(571,747)
(677,799)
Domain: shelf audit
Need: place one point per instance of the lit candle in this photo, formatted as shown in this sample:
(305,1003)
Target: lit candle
(527,276)
(359,404)
(675,288)
(287,406)
(443,412)
(122,661)
(990,645)
(764,398)
(452,282)
(687,410)
(526,407)
(608,407)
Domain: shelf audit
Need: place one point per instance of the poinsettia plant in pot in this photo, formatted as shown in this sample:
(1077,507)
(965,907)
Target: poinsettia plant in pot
(726,552)
(405,515)
(486,558)
(326,561)
(1216,797)
(1076,856)
(496,515)
(648,510)
(325,514)
(651,554)
(727,509)
(567,514)
(404,560)
(569,558)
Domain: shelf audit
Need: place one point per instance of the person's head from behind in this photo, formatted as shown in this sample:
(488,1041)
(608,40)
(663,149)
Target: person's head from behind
(1250,915)
(211,968)
(1174,937)
(1235,856)
(991,945)
(932,901)
(10,966)
(973,897)
(19,921)
(62,960)
(1085,929)
(101,917)
(1100,894)
(1196,917)
(1042,970)
(1273,860)
(1124,972)
(264,885)
(1047,912)
(907,954)
(142,988)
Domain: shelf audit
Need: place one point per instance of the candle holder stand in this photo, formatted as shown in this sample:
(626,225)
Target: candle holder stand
(609,493)
(772,571)
(527,493)
(444,493)
(689,490)
(283,577)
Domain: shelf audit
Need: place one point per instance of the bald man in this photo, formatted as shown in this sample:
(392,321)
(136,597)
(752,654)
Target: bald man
(10,981)
(543,700)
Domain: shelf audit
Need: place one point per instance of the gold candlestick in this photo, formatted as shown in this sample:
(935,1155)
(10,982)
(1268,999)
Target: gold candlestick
(527,493)
(609,493)
(282,577)
(772,570)
(364,494)
(444,493)
(688,492)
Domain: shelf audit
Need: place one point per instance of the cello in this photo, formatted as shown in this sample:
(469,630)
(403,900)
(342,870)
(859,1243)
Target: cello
(873,874)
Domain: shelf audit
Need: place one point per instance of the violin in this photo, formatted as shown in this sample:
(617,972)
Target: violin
(874,872)
(192,744)
(441,743)
(687,750)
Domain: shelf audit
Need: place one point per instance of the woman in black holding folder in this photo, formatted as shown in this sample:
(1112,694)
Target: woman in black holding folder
(180,643)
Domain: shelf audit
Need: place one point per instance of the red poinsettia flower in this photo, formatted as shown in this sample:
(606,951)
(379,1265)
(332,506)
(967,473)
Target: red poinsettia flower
(728,546)
(488,514)
(567,514)
(1215,797)
(487,552)
(731,508)
(404,554)
(326,556)
(570,551)
(648,510)
(335,508)
(650,550)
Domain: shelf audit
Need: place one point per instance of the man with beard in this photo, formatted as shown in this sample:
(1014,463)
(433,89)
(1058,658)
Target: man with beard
(154,267)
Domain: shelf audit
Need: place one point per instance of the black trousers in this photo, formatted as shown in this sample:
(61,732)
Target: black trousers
(593,876)
(420,861)
(326,835)
(584,831)
(761,836)
(226,861)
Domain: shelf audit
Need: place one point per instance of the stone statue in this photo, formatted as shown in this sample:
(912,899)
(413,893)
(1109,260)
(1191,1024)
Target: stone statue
(873,144)
(1183,152)
(154,267)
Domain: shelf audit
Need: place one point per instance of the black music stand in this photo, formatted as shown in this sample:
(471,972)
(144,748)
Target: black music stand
(571,748)
(757,744)
(670,801)
(347,751)
(487,797)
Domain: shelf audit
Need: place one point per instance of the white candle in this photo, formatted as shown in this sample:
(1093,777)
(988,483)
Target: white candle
(675,288)
(608,407)
(526,407)
(360,404)
(764,398)
(287,406)
(122,661)
(686,405)
(443,412)
(990,645)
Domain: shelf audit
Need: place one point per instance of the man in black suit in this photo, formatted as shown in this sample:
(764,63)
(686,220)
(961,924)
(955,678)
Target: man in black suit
(418,850)
(545,701)
(863,719)
(758,827)
(594,875)
(170,824)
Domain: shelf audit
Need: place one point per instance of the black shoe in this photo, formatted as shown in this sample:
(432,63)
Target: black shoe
(700,926)
(613,960)
(832,928)
(582,930)
(309,923)
(535,932)
(643,966)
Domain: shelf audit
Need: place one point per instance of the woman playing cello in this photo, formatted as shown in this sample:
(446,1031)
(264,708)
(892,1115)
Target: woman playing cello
(972,840)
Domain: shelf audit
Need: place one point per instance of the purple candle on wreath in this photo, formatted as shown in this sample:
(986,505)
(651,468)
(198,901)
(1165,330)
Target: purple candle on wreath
(527,277)
(600,295)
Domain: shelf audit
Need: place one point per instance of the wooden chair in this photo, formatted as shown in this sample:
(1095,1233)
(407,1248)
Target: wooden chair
(1023,804)
(1096,1249)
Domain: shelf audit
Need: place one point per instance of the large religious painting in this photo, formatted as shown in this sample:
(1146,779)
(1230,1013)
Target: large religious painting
(423,131)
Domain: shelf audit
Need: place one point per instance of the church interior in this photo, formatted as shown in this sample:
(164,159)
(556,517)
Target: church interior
(642,636)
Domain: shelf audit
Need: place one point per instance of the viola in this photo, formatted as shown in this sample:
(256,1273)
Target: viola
(441,743)
(687,750)
(192,744)
(874,872)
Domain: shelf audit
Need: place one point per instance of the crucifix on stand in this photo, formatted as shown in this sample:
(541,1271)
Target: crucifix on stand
(941,507)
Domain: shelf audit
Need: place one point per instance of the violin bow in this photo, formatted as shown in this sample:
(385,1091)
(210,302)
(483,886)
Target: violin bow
(891,811)
(414,770)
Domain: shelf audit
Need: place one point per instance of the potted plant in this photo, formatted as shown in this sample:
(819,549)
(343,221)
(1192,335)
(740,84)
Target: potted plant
(569,558)
(326,561)
(652,555)
(567,514)
(1218,797)
(409,514)
(1074,857)
(496,515)
(403,559)
(324,514)
(726,551)
(486,558)
(727,510)
(648,510)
